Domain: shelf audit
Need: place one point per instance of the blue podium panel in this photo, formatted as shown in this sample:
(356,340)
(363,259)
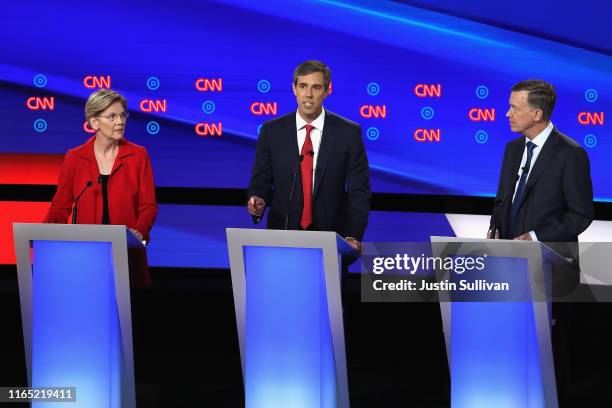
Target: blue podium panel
(75,335)
(495,360)
(289,359)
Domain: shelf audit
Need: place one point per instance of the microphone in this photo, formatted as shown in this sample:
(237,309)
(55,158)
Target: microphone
(76,200)
(300,158)
(498,207)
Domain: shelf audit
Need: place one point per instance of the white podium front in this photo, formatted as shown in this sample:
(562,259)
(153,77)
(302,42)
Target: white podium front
(75,305)
(289,316)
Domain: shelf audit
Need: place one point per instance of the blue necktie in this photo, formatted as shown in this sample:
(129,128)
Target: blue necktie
(519,191)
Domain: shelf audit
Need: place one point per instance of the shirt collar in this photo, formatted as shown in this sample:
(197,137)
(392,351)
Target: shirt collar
(540,139)
(317,123)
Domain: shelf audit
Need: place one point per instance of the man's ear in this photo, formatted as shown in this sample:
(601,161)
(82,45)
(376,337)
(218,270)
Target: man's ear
(539,115)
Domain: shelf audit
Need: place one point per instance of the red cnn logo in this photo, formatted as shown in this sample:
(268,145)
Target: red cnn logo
(261,108)
(425,90)
(150,105)
(87,127)
(38,103)
(91,81)
(591,118)
(207,84)
(427,135)
(208,129)
(373,111)
(482,115)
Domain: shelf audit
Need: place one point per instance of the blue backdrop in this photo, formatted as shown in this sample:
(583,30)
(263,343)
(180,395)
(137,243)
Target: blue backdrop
(428,81)
(424,70)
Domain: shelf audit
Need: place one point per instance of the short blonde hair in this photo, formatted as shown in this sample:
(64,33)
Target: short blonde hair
(100,100)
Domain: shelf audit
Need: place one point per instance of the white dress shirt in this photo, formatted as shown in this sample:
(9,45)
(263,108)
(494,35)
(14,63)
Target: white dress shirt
(315,135)
(539,141)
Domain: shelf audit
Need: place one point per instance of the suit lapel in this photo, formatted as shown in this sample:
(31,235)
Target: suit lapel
(287,141)
(87,153)
(548,152)
(125,150)
(515,159)
(325,149)
(291,141)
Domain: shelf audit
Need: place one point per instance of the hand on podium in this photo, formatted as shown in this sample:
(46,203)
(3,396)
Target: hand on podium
(490,233)
(353,243)
(256,206)
(138,234)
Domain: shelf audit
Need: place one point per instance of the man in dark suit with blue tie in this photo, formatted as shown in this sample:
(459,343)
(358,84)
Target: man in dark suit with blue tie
(311,168)
(545,191)
(545,194)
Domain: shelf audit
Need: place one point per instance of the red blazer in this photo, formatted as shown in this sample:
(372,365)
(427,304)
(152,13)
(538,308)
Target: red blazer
(131,191)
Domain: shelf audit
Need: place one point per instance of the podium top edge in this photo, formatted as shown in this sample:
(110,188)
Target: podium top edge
(116,234)
(279,233)
(476,240)
(289,238)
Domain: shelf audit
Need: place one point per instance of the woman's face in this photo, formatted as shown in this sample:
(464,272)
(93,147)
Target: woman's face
(110,123)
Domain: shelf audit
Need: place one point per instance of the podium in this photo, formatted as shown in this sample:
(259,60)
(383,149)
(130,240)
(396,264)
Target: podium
(288,305)
(75,309)
(499,352)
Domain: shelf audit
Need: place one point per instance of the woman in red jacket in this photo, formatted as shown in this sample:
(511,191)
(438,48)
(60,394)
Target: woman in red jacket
(113,176)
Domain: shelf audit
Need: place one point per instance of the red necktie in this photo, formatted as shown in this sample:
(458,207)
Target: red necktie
(306,172)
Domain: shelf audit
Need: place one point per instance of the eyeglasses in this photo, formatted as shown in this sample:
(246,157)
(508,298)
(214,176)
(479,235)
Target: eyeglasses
(113,116)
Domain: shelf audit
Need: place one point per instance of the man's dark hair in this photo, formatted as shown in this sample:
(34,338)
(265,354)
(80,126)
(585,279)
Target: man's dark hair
(541,95)
(308,67)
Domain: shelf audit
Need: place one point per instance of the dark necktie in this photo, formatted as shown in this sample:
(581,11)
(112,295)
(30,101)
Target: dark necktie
(306,172)
(519,191)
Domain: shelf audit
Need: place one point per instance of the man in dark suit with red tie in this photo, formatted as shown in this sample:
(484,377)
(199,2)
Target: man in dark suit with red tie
(311,168)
